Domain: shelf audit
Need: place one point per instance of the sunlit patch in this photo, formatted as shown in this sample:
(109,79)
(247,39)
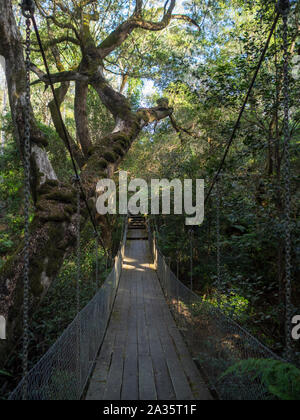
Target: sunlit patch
(130,261)
(232,305)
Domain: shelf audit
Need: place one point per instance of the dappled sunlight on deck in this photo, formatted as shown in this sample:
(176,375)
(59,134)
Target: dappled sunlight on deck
(143,356)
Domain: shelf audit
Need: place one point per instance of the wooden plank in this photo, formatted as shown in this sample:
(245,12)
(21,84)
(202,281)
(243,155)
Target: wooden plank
(124,314)
(120,322)
(115,377)
(179,380)
(114,380)
(130,389)
(143,355)
(196,381)
(164,386)
(143,341)
(147,389)
(98,381)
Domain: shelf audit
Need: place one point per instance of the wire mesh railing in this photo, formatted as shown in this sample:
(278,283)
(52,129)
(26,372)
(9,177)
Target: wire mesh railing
(63,372)
(215,341)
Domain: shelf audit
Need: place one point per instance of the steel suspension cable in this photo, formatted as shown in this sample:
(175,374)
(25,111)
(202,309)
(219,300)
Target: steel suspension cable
(97,263)
(219,279)
(78,288)
(237,124)
(285,8)
(27,150)
(191,233)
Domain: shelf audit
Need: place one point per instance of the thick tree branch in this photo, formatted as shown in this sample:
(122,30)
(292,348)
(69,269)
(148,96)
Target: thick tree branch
(123,82)
(81,116)
(114,101)
(61,94)
(187,19)
(60,40)
(53,18)
(138,7)
(64,76)
(161,111)
(181,130)
(117,37)
(130,74)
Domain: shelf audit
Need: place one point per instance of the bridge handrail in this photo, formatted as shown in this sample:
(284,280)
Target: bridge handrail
(63,372)
(216,341)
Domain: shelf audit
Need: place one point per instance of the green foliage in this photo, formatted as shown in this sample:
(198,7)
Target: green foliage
(4,373)
(282,380)
(206,81)
(53,317)
(5,243)
(11,193)
(57,153)
(232,305)
(205,75)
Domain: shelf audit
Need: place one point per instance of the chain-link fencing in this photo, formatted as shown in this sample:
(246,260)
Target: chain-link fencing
(64,371)
(215,341)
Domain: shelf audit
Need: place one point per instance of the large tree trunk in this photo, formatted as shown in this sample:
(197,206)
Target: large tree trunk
(4,104)
(53,230)
(43,178)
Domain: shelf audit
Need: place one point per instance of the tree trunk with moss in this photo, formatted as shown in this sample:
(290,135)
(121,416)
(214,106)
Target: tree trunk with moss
(53,229)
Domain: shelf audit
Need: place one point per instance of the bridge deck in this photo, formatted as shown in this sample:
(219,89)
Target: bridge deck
(143,356)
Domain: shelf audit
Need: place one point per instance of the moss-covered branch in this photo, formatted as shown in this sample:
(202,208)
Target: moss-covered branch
(81,116)
(117,37)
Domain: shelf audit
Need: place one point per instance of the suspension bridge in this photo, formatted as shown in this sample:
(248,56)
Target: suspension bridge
(145,335)
(141,336)
(143,357)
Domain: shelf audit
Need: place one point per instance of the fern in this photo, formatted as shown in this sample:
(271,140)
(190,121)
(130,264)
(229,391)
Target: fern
(3,373)
(281,379)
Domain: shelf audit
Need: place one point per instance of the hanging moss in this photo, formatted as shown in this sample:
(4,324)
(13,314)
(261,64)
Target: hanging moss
(41,263)
(91,151)
(102,163)
(61,195)
(110,156)
(52,211)
(110,40)
(118,150)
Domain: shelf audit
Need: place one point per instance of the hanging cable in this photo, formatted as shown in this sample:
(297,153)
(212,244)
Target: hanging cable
(78,250)
(237,124)
(219,280)
(97,263)
(27,8)
(284,8)
(177,280)
(191,233)
(32,17)
(78,287)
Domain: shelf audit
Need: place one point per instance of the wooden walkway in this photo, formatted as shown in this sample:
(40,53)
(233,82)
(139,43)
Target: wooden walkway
(143,356)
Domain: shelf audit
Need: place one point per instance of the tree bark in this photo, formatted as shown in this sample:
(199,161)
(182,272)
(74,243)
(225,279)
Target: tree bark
(4,104)
(53,230)
(81,116)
